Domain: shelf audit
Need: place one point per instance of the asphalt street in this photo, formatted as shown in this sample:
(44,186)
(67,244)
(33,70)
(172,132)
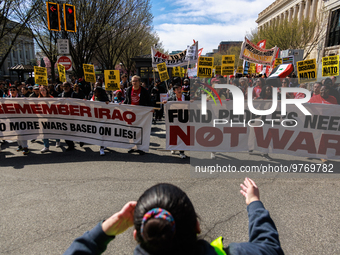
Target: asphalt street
(47,200)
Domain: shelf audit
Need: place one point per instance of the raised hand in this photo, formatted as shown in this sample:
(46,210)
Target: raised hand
(250,191)
(120,221)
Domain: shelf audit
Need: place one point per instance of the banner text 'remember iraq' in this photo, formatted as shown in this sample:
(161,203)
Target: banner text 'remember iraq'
(109,125)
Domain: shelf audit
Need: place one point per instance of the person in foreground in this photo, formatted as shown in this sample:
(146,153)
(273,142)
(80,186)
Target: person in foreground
(165,222)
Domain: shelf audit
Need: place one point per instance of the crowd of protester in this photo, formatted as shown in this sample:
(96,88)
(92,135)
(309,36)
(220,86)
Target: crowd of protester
(137,92)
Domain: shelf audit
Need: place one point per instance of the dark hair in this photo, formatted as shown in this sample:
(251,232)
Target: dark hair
(158,237)
(328,81)
(263,81)
(236,83)
(285,79)
(263,94)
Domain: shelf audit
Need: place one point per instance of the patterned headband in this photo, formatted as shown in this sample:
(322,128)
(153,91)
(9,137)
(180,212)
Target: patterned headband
(158,213)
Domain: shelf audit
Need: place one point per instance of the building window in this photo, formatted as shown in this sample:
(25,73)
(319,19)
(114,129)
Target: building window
(334,29)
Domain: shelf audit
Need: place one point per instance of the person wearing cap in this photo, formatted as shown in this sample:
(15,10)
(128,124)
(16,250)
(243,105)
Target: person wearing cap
(186,86)
(35,91)
(178,96)
(165,222)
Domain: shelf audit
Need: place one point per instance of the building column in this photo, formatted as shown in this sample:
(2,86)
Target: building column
(313,11)
(290,15)
(295,12)
(300,11)
(307,7)
(319,9)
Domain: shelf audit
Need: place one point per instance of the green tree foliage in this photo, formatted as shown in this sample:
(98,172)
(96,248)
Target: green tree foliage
(305,34)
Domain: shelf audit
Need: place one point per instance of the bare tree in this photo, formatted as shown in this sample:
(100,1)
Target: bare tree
(14,18)
(129,28)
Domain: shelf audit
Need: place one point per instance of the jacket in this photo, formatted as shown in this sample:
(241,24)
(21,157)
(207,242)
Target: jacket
(144,97)
(263,238)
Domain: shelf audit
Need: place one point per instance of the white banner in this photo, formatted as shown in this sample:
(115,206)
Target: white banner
(315,136)
(192,53)
(178,59)
(109,125)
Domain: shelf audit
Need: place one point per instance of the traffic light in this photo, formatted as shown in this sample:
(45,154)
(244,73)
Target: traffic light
(70,18)
(53,16)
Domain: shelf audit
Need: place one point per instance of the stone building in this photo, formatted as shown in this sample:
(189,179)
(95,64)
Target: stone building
(21,53)
(329,10)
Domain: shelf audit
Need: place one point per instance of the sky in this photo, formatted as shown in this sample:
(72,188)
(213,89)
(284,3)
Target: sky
(178,22)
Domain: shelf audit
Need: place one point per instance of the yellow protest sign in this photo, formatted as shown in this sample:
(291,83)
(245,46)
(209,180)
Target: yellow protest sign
(330,66)
(218,69)
(252,68)
(88,68)
(176,71)
(40,75)
(227,70)
(306,71)
(239,69)
(183,71)
(62,73)
(89,73)
(228,63)
(90,77)
(112,80)
(205,66)
(163,72)
(161,67)
(278,62)
(228,60)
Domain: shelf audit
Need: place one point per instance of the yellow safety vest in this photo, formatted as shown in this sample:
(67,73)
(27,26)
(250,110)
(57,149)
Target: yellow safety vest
(218,246)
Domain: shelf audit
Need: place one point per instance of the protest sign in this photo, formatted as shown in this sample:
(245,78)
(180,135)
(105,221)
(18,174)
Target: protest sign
(218,69)
(315,136)
(205,66)
(109,125)
(163,72)
(261,44)
(278,62)
(62,73)
(227,70)
(239,69)
(330,66)
(89,73)
(228,63)
(40,75)
(192,52)
(192,72)
(288,60)
(178,59)
(112,80)
(306,70)
(254,54)
(176,71)
(252,68)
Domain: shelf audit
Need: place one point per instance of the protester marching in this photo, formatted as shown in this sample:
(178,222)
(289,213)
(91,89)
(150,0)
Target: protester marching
(114,110)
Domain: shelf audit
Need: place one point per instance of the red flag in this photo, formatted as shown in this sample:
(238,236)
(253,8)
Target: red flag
(261,44)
